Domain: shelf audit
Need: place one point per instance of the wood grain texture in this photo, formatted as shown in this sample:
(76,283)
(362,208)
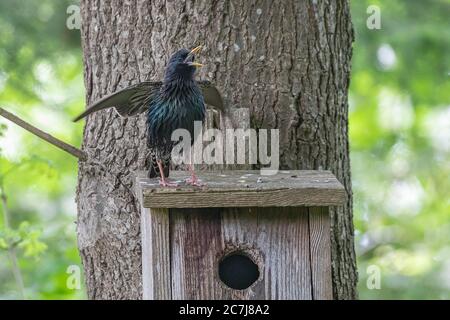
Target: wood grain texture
(195,236)
(155,254)
(239,188)
(320,251)
(276,239)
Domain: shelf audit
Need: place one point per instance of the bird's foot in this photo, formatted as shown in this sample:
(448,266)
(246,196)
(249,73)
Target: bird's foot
(167,183)
(194,181)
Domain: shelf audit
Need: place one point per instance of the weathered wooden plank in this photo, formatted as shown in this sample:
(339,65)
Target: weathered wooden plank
(246,189)
(281,198)
(195,236)
(155,254)
(320,248)
(290,273)
(277,241)
(239,232)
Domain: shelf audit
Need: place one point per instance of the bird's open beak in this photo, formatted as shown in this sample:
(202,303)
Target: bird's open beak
(195,50)
(189,57)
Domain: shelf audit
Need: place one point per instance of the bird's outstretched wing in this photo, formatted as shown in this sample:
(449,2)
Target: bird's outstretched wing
(136,98)
(128,102)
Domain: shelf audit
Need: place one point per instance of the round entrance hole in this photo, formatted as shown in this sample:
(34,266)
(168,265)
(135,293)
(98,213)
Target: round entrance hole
(238,271)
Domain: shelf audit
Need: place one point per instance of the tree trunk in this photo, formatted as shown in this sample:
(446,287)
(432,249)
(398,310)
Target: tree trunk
(288,61)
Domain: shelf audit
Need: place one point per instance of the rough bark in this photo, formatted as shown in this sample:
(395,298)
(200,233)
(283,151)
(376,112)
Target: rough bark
(288,61)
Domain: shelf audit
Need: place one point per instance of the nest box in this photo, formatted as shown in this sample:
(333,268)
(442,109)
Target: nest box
(242,236)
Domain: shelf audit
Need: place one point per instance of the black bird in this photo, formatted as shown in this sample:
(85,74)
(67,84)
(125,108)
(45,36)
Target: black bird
(175,103)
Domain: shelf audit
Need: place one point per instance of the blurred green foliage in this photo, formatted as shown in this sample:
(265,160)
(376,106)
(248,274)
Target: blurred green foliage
(25,237)
(400,148)
(40,81)
(399,132)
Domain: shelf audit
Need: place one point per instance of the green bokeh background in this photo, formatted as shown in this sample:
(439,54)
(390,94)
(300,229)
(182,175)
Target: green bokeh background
(399,134)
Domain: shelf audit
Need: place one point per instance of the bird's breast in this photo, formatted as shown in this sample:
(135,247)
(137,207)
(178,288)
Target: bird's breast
(176,109)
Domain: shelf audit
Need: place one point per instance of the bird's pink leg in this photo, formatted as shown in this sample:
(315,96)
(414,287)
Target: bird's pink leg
(163,181)
(193,180)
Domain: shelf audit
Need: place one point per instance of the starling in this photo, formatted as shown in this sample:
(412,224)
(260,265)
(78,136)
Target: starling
(175,103)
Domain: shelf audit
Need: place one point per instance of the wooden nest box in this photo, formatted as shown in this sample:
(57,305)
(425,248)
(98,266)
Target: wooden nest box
(242,236)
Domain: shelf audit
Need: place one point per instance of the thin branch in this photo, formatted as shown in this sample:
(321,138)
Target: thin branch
(5,209)
(45,136)
(16,271)
(12,250)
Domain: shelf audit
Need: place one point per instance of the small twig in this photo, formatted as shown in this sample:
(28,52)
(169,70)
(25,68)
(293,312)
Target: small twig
(45,136)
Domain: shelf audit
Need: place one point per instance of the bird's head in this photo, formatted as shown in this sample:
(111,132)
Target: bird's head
(182,65)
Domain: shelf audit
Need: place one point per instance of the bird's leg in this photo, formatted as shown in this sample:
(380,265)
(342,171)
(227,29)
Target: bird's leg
(163,181)
(193,180)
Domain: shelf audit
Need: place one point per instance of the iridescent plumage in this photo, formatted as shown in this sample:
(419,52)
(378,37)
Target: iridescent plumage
(177,105)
